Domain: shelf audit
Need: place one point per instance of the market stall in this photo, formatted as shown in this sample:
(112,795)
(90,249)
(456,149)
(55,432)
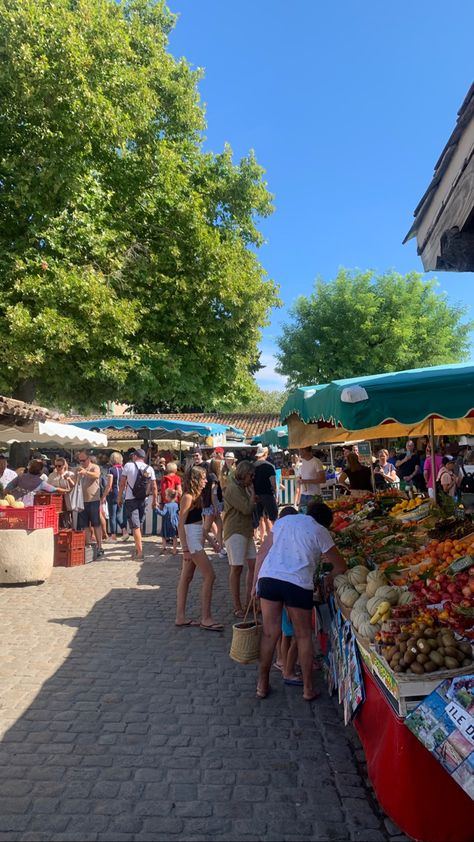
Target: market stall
(402,625)
(403,616)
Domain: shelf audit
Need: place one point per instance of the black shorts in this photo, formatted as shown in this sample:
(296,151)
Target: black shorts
(276,590)
(267,505)
(90,516)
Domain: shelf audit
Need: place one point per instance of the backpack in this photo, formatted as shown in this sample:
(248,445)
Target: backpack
(467,482)
(140,489)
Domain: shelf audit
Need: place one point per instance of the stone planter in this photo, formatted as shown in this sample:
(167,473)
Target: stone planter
(25,556)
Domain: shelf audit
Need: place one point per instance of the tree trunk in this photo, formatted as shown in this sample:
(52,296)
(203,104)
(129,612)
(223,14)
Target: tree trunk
(25,391)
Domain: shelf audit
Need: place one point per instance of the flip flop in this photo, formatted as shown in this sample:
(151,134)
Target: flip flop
(295,682)
(239,613)
(260,694)
(213,627)
(188,623)
(277,666)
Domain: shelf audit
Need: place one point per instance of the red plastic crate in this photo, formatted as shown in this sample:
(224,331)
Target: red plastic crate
(31,517)
(69,556)
(47,499)
(70,538)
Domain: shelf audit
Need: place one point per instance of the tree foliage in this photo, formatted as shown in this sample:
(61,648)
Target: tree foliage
(262,401)
(128,266)
(361,323)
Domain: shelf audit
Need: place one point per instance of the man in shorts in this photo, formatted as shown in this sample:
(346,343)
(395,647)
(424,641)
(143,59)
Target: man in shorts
(135,505)
(88,474)
(265,488)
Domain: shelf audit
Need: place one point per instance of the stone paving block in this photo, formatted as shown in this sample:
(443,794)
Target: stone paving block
(184,776)
(13,823)
(12,804)
(165,825)
(209,827)
(194,809)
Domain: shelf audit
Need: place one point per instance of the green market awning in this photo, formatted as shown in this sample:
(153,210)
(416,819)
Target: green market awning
(276,437)
(384,406)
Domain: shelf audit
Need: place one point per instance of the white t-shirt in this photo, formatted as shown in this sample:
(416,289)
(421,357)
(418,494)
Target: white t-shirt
(298,542)
(131,473)
(7,476)
(309,470)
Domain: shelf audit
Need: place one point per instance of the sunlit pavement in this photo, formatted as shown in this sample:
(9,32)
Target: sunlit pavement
(117,726)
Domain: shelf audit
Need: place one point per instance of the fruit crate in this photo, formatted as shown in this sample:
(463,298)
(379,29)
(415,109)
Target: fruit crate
(45,499)
(69,548)
(31,517)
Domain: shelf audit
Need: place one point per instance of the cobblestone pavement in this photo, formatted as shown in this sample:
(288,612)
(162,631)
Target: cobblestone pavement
(116,725)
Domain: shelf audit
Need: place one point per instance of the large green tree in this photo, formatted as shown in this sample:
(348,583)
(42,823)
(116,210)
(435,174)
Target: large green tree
(128,267)
(361,323)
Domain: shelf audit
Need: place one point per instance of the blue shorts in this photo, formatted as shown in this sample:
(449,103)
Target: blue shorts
(90,515)
(286,627)
(135,511)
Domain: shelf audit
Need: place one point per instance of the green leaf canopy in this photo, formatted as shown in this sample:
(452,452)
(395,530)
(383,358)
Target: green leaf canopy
(129,267)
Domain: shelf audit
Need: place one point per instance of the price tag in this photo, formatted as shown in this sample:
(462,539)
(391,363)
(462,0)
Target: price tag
(460,564)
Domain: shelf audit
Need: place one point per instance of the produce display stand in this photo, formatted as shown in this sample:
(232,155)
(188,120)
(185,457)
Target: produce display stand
(411,786)
(31,517)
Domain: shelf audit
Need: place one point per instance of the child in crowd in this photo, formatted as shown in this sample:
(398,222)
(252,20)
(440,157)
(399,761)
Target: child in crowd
(170,516)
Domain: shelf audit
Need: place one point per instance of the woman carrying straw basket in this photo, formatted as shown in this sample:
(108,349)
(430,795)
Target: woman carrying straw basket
(284,577)
(239,504)
(191,534)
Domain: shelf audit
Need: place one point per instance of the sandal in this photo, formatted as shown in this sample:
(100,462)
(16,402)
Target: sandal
(218,627)
(262,694)
(239,612)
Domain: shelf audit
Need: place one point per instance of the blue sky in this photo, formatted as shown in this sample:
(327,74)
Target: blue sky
(348,107)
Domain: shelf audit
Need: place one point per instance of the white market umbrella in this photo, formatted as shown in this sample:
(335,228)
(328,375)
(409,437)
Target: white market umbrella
(51,433)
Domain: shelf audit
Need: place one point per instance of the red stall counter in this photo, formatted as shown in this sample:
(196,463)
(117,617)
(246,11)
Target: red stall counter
(411,786)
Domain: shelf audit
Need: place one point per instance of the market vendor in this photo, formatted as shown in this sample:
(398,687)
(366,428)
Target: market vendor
(311,475)
(358,476)
(24,487)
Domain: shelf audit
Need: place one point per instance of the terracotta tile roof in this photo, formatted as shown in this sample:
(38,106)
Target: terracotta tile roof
(251,422)
(20,412)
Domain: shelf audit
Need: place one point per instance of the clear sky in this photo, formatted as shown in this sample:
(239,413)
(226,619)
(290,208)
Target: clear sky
(348,106)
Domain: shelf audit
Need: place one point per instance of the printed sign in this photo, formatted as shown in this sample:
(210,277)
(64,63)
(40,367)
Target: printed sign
(444,723)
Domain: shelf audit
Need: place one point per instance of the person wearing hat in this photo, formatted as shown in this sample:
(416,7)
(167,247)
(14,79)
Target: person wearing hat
(133,475)
(265,488)
(228,469)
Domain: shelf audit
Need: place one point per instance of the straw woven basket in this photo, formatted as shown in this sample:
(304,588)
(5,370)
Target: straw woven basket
(245,646)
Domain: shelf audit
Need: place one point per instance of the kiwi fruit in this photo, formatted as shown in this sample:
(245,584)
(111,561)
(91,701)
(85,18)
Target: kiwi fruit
(429,666)
(437,658)
(402,646)
(422,658)
(416,668)
(465,648)
(466,662)
(430,632)
(423,645)
(451,663)
(403,637)
(409,657)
